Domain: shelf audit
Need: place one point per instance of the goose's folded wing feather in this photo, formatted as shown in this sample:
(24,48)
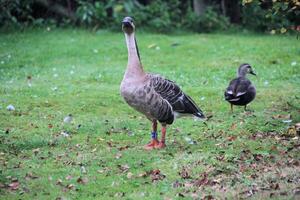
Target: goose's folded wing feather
(179,101)
(237,88)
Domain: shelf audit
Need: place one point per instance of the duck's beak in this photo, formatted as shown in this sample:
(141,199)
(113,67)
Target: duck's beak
(252,72)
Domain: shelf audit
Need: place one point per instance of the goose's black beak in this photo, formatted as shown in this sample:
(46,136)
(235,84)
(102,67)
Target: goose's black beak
(127,22)
(127,25)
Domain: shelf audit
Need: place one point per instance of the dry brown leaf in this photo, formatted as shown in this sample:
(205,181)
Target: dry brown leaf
(156,175)
(129,175)
(233,126)
(82,180)
(177,184)
(118,156)
(59,182)
(29,176)
(123,168)
(281,116)
(69,177)
(123,148)
(70,186)
(36,151)
(14,185)
(185,173)
(231,138)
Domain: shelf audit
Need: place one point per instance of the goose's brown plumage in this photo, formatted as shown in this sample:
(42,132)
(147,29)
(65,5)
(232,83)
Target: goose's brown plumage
(159,99)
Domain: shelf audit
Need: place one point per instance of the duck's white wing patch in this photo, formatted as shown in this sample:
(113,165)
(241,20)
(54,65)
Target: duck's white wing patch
(236,99)
(229,92)
(240,94)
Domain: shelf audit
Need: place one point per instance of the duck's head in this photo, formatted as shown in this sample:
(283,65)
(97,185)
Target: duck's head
(245,69)
(128,25)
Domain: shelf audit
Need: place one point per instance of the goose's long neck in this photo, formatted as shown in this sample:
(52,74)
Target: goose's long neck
(134,66)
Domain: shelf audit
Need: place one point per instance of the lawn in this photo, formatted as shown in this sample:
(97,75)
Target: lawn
(48,74)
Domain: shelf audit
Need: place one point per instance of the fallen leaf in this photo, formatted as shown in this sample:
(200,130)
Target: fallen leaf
(274,186)
(231,138)
(59,182)
(123,168)
(129,175)
(83,180)
(184,173)
(177,184)
(208,197)
(118,156)
(65,134)
(69,177)
(180,195)
(202,181)
(291,132)
(152,46)
(30,176)
(281,116)
(14,185)
(70,186)
(156,175)
(258,157)
(36,151)
(123,148)
(100,139)
(120,194)
(188,184)
(233,126)
(143,174)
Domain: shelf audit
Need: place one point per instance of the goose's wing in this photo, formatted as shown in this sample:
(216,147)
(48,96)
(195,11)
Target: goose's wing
(237,88)
(171,92)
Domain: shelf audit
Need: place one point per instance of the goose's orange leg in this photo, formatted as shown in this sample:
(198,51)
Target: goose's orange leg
(154,142)
(162,142)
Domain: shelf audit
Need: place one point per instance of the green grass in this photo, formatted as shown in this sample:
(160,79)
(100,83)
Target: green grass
(74,71)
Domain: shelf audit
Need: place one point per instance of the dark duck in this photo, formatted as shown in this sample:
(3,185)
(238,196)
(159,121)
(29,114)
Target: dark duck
(241,91)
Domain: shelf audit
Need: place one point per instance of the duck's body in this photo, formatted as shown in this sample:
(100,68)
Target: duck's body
(159,99)
(241,91)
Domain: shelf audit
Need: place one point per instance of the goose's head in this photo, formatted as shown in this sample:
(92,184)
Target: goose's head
(128,25)
(245,69)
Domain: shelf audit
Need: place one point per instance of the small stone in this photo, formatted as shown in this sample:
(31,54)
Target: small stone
(10,108)
(65,134)
(294,63)
(68,119)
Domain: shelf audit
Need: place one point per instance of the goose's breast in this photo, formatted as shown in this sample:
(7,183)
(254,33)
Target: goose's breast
(133,93)
(139,96)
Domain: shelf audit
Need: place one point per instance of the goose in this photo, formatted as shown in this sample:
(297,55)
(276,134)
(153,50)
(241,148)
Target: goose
(241,91)
(159,99)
